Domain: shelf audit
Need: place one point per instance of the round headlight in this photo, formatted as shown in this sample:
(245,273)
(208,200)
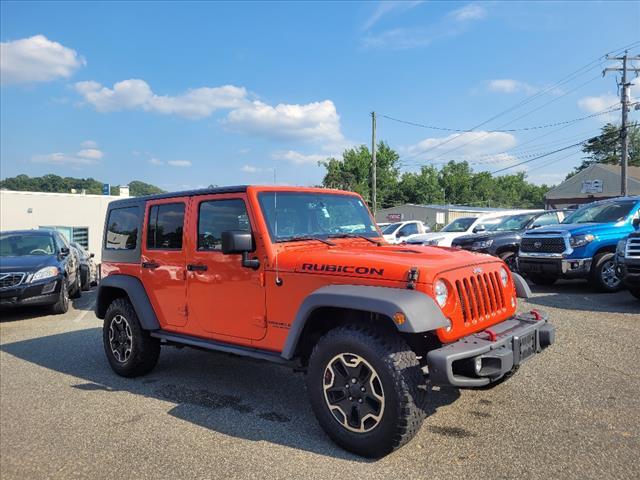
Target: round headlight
(442,292)
(504,276)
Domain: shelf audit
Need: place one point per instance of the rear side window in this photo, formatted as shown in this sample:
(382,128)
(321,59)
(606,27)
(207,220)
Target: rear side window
(122,229)
(165,227)
(219,216)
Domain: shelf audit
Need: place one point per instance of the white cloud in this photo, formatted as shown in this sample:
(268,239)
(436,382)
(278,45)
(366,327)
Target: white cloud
(385,7)
(314,122)
(251,169)
(89,144)
(36,59)
(84,157)
(298,158)
(179,163)
(156,162)
(599,103)
(508,85)
(136,94)
(469,12)
(464,146)
(90,154)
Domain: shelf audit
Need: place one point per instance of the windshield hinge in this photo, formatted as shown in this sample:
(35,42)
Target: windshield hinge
(412,278)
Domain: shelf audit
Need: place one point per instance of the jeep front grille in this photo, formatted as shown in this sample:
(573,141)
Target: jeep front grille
(633,248)
(13,279)
(481,297)
(543,245)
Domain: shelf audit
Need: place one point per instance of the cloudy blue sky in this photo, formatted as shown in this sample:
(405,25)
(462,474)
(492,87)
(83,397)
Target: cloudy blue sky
(189,94)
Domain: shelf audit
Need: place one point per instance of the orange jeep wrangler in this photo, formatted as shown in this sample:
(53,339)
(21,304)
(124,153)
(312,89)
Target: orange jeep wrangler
(303,277)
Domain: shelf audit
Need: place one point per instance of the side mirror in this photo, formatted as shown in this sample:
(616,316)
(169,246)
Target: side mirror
(64,251)
(240,241)
(479,229)
(398,234)
(91,255)
(534,226)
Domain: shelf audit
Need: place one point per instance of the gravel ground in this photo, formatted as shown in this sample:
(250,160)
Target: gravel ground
(572,412)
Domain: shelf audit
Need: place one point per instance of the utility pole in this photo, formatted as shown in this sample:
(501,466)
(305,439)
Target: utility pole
(374,165)
(624,100)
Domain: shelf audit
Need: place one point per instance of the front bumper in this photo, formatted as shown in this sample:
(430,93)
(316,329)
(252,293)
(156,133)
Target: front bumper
(629,271)
(555,267)
(31,294)
(485,357)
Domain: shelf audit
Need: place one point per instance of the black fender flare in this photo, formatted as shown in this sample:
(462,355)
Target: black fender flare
(421,311)
(138,297)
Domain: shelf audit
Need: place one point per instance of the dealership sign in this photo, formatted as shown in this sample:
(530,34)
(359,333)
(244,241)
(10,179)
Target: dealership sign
(592,186)
(394,217)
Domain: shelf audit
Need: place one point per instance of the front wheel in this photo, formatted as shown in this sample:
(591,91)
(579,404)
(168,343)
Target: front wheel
(366,389)
(62,304)
(603,273)
(511,259)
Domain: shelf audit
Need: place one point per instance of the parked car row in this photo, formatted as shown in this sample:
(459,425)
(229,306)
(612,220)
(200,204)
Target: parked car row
(599,242)
(41,267)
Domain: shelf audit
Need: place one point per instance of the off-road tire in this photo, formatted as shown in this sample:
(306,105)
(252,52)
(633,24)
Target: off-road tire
(635,291)
(401,378)
(145,349)
(76,288)
(511,259)
(62,304)
(542,279)
(602,262)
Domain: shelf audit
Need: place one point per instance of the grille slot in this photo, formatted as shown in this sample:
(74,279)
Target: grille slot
(633,248)
(13,279)
(481,297)
(543,245)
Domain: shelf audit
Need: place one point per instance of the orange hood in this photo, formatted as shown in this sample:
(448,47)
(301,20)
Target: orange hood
(358,258)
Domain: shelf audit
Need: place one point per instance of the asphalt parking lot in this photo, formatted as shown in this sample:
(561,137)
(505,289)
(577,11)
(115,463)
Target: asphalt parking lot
(572,412)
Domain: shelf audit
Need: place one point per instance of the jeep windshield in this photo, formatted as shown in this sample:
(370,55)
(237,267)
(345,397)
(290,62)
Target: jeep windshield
(292,216)
(602,213)
(20,244)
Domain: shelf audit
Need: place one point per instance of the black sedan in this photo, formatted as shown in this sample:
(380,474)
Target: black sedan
(37,268)
(503,240)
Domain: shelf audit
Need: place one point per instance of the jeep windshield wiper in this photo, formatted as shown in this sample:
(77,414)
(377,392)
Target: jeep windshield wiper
(354,235)
(303,238)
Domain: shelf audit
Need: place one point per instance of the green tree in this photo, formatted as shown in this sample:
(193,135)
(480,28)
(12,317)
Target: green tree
(606,147)
(353,173)
(420,188)
(57,184)
(455,179)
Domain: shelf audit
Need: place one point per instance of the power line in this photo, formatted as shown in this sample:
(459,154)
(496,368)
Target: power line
(539,157)
(523,129)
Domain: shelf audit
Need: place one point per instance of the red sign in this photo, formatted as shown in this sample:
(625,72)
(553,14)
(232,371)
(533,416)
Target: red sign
(394,217)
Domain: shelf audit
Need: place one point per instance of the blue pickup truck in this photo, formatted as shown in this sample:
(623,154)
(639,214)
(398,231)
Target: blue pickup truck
(582,246)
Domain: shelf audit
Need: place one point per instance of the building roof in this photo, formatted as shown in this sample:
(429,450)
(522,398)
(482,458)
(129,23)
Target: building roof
(608,174)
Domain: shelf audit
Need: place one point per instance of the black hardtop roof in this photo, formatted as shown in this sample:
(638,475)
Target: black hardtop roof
(185,193)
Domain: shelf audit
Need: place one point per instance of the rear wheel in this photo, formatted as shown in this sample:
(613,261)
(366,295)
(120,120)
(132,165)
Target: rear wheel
(76,288)
(131,351)
(85,280)
(542,279)
(603,273)
(366,389)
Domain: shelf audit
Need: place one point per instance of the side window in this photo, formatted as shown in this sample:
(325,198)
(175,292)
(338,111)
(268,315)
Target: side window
(546,219)
(217,216)
(410,229)
(164,230)
(122,229)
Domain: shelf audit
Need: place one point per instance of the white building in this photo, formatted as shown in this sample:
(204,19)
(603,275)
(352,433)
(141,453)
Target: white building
(79,217)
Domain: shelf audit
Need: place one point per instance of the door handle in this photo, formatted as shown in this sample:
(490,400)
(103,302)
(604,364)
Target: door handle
(150,265)
(196,268)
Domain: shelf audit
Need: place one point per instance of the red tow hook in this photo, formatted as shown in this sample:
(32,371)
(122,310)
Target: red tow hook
(492,335)
(536,315)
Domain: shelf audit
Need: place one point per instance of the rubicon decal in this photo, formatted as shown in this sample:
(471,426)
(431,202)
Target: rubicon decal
(361,270)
